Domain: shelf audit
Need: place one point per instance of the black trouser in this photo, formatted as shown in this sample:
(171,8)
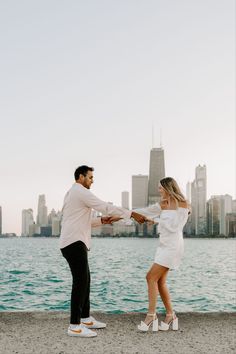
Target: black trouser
(76,255)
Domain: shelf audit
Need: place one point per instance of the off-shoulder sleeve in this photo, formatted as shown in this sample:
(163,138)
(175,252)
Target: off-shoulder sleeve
(151,212)
(176,222)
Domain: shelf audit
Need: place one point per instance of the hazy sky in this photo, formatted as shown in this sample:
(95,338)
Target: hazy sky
(82,82)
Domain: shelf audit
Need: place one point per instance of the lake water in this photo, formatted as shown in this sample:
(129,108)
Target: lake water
(34,276)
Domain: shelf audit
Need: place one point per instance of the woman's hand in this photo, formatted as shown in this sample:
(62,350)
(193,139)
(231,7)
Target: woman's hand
(138,217)
(150,221)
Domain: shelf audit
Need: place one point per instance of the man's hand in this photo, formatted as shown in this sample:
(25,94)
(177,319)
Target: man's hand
(115,218)
(138,217)
(110,219)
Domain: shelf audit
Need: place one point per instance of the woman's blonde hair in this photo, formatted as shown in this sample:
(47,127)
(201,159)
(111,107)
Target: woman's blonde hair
(170,185)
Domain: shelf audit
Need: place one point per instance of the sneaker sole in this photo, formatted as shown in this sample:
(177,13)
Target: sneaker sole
(81,335)
(93,327)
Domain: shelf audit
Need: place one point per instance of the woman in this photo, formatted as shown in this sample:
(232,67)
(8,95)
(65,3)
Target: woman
(173,214)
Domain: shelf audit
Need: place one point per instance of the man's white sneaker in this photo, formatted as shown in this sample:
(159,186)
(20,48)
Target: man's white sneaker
(80,331)
(90,322)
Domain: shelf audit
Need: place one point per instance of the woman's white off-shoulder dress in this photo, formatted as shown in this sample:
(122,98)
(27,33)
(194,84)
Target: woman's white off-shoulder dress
(170,226)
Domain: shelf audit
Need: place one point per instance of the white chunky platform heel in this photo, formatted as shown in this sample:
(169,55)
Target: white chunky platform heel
(154,324)
(173,324)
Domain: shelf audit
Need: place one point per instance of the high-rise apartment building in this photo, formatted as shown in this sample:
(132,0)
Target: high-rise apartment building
(218,206)
(56,226)
(234,205)
(188,191)
(27,220)
(54,220)
(139,191)
(34,230)
(230,222)
(198,201)
(120,228)
(51,216)
(225,208)
(42,217)
(125,200)
(193,207)
(213,216)
(156,173)
(0,220)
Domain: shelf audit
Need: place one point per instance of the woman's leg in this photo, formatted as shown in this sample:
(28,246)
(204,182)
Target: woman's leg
(164,293)
(154,274)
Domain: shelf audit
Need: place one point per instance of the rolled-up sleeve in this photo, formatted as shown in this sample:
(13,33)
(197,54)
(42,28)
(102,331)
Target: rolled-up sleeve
(103,207)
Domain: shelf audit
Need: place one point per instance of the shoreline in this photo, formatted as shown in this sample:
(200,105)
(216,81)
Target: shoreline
(45,332)
(122,236)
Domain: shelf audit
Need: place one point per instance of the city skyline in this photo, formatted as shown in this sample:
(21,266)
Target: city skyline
(84,83)
(142,182)
(196,192)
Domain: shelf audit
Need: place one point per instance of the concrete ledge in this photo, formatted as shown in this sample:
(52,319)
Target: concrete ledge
(45,332)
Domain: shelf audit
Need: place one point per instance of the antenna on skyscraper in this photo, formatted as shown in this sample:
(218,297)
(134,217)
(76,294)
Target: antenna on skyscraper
(152,135)
(160,138)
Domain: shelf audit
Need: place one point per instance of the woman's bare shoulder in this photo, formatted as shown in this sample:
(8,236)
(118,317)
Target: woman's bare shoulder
(183,205)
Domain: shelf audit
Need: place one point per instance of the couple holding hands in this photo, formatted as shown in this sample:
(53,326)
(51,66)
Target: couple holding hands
(171,215)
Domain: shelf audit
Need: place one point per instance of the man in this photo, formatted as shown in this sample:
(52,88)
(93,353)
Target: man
(75,242)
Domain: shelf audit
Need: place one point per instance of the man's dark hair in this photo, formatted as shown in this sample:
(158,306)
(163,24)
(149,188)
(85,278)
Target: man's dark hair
(82,170)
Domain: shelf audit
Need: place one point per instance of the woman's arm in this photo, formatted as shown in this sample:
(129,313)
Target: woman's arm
(151,212)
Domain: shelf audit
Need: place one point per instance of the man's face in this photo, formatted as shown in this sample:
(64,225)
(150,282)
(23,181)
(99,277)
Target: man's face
(87,180)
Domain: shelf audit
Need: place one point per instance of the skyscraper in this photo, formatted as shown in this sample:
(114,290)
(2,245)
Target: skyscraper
(42,217)
(51,216)
(0,220)
(188,192)
(198,199)
(27,220)
(230,221)
(218,206)
(193,206)
(56,226)
(125,200)
(234,206)
(225,208)
(139,191)
(156,173)
(213,216)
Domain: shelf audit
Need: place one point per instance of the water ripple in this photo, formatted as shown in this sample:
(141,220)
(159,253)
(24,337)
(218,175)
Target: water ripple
(34,275)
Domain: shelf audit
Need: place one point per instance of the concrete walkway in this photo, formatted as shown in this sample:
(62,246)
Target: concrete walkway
(45,332)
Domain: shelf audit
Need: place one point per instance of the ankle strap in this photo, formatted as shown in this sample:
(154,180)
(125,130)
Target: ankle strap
(151,314)
(171,314)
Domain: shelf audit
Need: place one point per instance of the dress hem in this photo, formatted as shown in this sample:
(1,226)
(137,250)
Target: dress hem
(166,266)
